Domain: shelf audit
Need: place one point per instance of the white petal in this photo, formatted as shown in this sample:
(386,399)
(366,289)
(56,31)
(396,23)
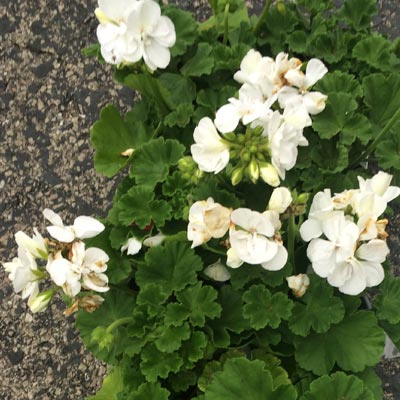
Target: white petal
(63,234)
(96,282)
(357,282)
(95,259)
(134,246)
(51,216)
(320,249)
(314,102)
(150,14)
(87,227)
(155,54)
(280,200)
(311,229)
(227,118)
(315,70)
(154,241)
(375,251)
(58,270)
(296,78)
(253,221)
(278,262)
(374,273)
(218,272)
(233,260)
(340,274)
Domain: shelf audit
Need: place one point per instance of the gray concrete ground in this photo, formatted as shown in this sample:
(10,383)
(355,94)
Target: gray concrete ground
(49,97)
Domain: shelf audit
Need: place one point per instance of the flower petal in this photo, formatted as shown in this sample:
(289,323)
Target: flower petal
(315,71)
(375,251)
(278,262)
(63,234)
(227,118)
(311,229)
(87,227)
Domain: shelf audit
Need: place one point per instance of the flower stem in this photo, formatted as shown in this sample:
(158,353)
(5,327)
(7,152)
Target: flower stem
(117,323)
(378,138)
(291,239)
(226,24)
(215,251)
(262,16)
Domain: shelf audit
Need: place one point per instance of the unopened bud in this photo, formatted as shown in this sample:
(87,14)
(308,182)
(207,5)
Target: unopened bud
(237,176)
(269,174)
(281,7)
(230,136)
(41,301)
(280,200)
(299,284)
(303,198)
(218,272)
(253,170)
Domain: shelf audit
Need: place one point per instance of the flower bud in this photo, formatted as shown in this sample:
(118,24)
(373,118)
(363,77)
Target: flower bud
(269,174)
(41,301)
(280,200)
(153,241)
(230,136)
(281,8)
(299,284)
(102,17)
(218,272)
(253,170)
(303,198)
(237,176)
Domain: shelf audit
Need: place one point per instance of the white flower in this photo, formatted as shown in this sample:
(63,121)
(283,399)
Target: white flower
(254,242)
(23,274)
(36,245)
(338,259)
(84,269)
(218,272)
(132,246)
(207,220)
(156,32)
(131,30)
(117,43)
(210,152)
(379,184)
(250,105)
(83,228)
(313,102)
(299,284)
(280,200)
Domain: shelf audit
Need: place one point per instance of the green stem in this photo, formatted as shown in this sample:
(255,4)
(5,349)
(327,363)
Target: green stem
(226,24)
(117,323)
(291,240)
(364,156)
(262,16)
(213,5)
(215,251)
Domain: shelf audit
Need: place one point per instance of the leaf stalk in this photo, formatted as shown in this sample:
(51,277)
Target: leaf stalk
(262,17)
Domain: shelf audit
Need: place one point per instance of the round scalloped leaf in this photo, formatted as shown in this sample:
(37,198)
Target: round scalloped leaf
(263,309)
(338,81)
(172,266)
(242,379)
(148,391)
(353,344)
(338,386)
(388,302)
(318,309)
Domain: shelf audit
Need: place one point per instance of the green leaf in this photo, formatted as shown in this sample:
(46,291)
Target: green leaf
(117,304)
(388,302)
(231,318)
(172,337)
(318,309)
(201,64)
(376,51)
(156,364)
(210,188)
(339,108)
(337,386)
(372,382)
(315,6)
(382,95)
(242,379)
(175,314)
(172,266)
(185,28)
(297,41)
(214,99)
(182,381)
(357,127)
(388,152)
(330,156)
(263,309)
(331,46)
(110,136)
(201,303)
(181,116)
(137,206)
(152,161)
(153,297)
(176,89)
(193,349)
(339,82)
(113,384)
(358,13)
(353,344)
(148,391)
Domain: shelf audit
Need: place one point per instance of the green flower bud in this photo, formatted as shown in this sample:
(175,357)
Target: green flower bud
(237,176)
(281,7)
(253,170)
(241,138)
(253,149)
(303,198)
(246,157)
(230,136)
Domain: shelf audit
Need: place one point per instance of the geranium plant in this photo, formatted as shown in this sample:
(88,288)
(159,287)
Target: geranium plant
(245,253)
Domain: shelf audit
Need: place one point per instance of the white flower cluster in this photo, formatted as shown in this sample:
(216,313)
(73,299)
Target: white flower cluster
(69,265)
(130,30)
(265,83)
(253,236)
(353,244)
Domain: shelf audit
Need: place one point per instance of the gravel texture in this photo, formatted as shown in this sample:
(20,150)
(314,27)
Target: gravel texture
(49,97)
